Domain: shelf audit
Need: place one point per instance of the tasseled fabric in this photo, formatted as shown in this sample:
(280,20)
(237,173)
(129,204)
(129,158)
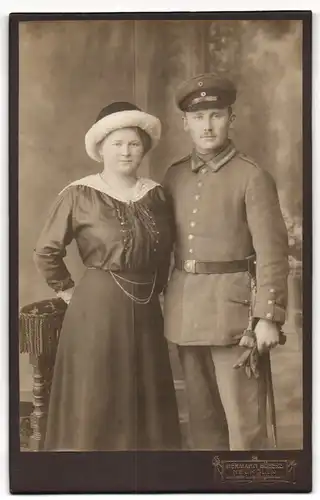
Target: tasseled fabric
(39,326)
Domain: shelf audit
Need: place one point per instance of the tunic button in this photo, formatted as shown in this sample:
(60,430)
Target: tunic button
(199,184)
(190,250)
(272,290)
(192,223)
(270,301)
(195,210)
(269,315)
(190,237)
(204,170)
(197,197)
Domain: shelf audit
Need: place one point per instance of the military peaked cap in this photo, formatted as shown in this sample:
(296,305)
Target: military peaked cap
(206,91)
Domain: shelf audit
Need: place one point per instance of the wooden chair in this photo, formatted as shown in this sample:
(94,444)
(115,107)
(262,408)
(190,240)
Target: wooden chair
(39,329)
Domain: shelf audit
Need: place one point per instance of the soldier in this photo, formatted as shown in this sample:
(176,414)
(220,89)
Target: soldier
(231,241)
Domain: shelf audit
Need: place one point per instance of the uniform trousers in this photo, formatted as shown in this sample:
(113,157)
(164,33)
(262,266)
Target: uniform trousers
(227,410)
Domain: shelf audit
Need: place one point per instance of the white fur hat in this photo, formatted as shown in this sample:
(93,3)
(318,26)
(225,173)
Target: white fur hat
(120,115)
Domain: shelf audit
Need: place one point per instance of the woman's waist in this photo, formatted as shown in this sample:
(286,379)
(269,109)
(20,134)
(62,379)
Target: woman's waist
(130,276)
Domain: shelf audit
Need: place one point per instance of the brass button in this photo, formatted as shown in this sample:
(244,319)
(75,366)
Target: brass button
(270,301)
(195,210)
(204,170)
(269,315)
(192,223)
(199,184)
(190,237)
(272,290)
(197,197)
(190,250)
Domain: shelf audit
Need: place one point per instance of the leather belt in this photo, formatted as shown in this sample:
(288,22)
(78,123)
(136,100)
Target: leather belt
(221,267)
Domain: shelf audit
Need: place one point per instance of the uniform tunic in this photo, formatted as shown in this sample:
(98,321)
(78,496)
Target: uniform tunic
(225,211)
(112,386)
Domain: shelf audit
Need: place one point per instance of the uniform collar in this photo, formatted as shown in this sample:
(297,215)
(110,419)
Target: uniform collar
(214,161)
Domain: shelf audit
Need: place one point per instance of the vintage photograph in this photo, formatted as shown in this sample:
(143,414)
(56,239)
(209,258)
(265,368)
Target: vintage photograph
(160,235)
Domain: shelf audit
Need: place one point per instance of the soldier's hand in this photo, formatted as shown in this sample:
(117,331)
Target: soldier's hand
(267,335)
(247,341)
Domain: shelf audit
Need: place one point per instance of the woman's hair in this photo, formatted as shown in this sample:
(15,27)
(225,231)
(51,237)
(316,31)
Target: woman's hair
(145,139)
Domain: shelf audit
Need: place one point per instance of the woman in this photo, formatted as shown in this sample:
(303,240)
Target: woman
(112,386)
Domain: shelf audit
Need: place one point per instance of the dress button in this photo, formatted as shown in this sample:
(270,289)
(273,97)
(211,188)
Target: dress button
(269,315)
(192,223)
(197,197)
(190,237)
(195,210)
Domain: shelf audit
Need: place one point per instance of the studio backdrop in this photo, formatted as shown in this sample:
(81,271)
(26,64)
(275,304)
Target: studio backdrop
(69,70)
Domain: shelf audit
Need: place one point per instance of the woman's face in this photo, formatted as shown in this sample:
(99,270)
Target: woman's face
(122,151)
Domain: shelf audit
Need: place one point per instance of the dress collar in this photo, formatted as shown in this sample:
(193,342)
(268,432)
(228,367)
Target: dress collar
(213,161)
(144,185)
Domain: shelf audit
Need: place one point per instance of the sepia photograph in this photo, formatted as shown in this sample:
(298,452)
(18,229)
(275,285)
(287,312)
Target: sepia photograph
(160,166)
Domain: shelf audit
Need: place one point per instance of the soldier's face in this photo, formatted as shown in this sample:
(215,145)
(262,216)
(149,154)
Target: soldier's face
(208,128)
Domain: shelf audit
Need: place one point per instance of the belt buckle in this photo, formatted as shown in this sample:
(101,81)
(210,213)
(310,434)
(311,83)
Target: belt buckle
(190,266)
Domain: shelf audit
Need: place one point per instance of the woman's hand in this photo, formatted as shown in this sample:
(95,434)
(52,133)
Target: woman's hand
(66,294)
(267,335)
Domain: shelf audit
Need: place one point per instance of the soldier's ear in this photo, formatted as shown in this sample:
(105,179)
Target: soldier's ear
(185,122)
(232,118)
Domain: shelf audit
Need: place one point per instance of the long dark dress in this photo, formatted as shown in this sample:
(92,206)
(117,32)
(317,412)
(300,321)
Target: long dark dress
(112,386)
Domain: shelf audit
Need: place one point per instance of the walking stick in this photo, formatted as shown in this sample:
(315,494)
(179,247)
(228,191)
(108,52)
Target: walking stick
(270,397)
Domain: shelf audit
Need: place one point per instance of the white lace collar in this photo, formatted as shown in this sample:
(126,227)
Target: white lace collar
(94,181)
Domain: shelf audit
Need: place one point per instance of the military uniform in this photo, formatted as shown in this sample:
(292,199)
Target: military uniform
(228,222)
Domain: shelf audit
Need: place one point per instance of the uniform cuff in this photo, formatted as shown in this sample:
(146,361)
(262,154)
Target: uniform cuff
(269,310)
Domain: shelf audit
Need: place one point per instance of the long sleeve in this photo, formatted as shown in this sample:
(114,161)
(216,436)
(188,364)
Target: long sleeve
(56,235)
(270,241)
